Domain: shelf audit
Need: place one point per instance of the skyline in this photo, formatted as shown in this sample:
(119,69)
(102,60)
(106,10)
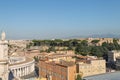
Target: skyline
(58,19)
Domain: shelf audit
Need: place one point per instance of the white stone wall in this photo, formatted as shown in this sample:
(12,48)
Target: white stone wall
(93,68)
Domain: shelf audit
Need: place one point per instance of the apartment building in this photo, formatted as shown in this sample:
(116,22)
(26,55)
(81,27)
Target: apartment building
(91,67)
(57,71)
(63,69)
(112,55)
(19,43)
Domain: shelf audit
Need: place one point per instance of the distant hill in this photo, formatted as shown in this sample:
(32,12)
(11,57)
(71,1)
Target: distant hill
(95,36)
(105,36)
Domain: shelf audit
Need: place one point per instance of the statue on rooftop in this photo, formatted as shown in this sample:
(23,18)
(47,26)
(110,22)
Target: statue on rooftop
(3,35)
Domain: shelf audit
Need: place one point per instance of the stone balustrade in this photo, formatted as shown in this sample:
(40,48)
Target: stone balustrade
(22,68)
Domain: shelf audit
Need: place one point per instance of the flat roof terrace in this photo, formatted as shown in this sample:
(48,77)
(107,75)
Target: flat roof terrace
(106,76)
(26,61)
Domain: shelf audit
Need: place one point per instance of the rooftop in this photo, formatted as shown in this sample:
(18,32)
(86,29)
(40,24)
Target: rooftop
(27,60)
(106,76)
(66,63)
(61,63)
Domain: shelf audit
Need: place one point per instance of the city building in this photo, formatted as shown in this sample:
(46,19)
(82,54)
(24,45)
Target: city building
(91,67)
(100,40)
(105,76)
(57,71)
(19,43)
(117,63)
(82,65)
(112,55)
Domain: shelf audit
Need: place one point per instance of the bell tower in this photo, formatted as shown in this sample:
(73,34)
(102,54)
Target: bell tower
(3,57)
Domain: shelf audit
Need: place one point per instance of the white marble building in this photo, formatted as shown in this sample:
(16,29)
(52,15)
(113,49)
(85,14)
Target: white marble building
(19,66)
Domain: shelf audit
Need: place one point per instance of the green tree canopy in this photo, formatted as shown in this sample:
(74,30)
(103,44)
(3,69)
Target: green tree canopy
(95,41)
(78,77)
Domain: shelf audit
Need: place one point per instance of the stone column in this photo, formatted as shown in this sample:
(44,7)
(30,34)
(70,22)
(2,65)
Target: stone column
(32,67)
(27,70)
(17,72)
(20,72)
(23,71)
(14,72)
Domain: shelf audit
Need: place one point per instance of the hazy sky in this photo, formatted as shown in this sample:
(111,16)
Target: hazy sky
(45,19)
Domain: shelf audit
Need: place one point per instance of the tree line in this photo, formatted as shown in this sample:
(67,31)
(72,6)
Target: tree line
(80,47)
